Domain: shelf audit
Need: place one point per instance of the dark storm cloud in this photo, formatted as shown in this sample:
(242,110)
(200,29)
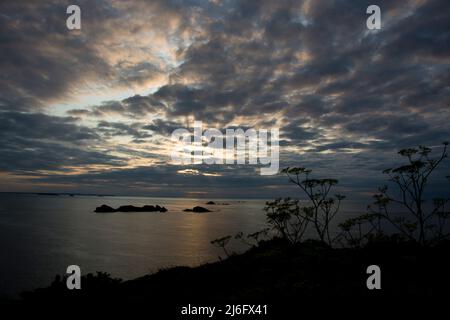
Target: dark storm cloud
(134,107)
(111,129)
(137,73)
(298,134)
(351,70)
(35,141)
(39,58)
(42,61)
(162,180)
(424,34)
(42,126)
(163,127)
(30,157)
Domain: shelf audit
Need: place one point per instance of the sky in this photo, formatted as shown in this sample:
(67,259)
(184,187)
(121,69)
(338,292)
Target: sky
(93,110)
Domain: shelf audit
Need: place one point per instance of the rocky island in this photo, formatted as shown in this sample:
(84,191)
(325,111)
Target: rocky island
(197,209)
(128,208)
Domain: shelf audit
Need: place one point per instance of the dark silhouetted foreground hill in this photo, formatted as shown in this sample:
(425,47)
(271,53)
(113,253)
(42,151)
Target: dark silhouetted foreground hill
(274,273)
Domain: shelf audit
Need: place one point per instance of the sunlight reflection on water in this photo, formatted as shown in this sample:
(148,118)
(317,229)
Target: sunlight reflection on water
(41,235)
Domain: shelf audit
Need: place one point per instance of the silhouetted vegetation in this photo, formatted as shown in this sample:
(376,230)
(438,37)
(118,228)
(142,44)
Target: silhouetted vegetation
(254,238)
(288,219)
(418,224)
(274,272)
(323,207)
(222,243)
(100,285)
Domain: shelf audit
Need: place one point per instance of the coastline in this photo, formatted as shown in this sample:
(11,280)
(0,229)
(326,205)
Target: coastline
(273,271)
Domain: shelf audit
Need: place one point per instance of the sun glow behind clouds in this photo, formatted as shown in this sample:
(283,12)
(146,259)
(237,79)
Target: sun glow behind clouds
(105,101)
(196,172)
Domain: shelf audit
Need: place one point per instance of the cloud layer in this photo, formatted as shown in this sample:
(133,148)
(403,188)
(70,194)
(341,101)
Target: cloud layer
(95,108)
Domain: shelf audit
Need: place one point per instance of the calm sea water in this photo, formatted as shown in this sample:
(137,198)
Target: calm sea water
(41,235)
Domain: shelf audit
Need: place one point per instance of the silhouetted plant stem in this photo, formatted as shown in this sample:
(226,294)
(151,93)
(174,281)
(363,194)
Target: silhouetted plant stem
(324,207)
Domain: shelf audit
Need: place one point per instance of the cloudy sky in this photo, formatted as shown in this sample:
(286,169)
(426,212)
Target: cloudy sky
(92,110)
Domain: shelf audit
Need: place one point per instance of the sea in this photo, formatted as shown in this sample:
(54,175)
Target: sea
(42,234)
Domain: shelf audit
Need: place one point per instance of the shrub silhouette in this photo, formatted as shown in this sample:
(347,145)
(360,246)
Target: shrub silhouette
(323,207)
(252,239)
(420,225)
(222,243)
(287,218)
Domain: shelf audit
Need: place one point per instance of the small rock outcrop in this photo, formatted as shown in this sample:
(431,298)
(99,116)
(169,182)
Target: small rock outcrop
(197,209)
(104,208)
(129,208)
(216,203)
